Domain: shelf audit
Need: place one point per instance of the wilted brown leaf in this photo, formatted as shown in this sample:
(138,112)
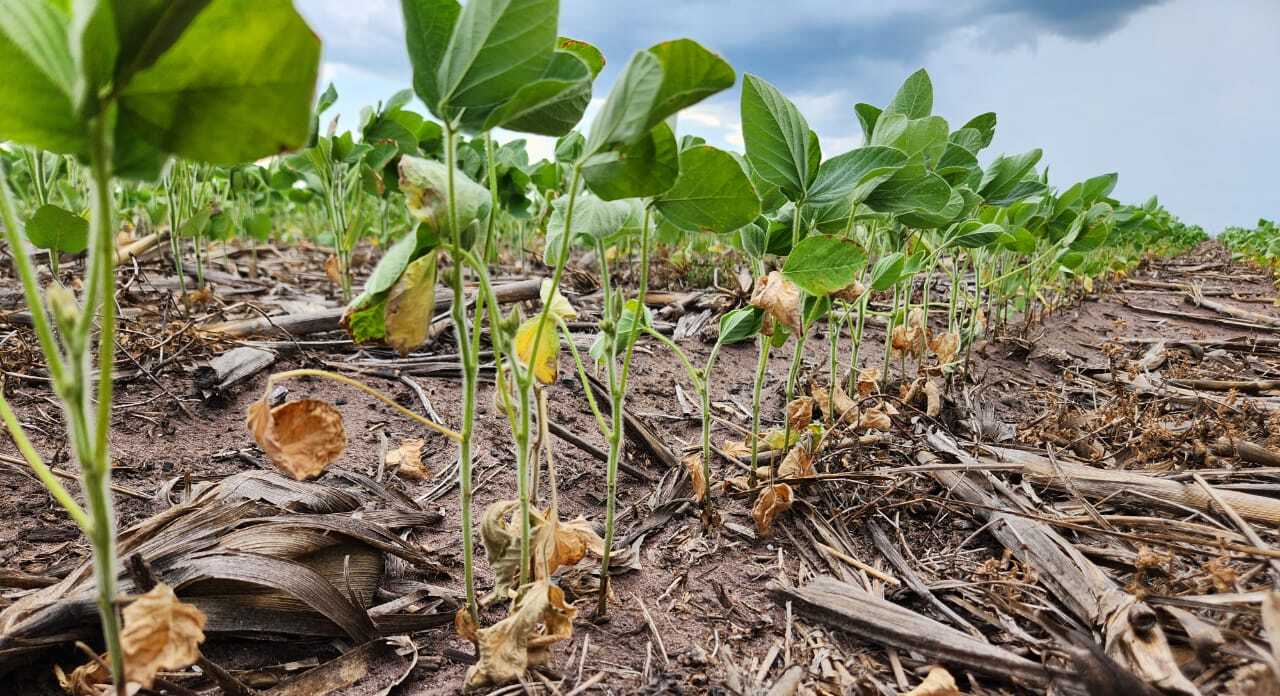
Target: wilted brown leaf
(868,381)
(945,346)
(465,624)
(772,501)
(407,458)
(90,679)
(302,437)
(851,293)
(780,299)
(693,464)
(876,419)
(736,448)
(554,544)
(331,270)
(938,683)
(838,406)
(797,464)
(933,398)
(800,412)
(524,639)
(160,633)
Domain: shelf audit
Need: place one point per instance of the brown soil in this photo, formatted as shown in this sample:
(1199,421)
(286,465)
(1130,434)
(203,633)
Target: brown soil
(703,590)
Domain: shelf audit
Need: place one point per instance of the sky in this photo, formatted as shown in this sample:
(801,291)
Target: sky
(1181,97)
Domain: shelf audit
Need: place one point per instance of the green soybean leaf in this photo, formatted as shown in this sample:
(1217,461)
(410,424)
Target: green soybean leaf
(690,74)
(428,24)
(1004,175)
(933,219)
(592,218)
(390,266)
(496,48)
(912,187)
(915,98)
(1098,187)
(779,144)
(974,234)
(553,104)
(1017,239)
(821,265)
(36,90)
(985,126)
(58,230)
(887,271)
(868,115)
(739,325)
(259,226)
(642,169)
(854,174)
(624,117)
(365,320)
(587,53)
(235,86)
(711,193)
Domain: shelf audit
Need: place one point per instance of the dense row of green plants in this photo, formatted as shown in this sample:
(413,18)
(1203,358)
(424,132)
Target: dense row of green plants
(1261,244)
(911,230)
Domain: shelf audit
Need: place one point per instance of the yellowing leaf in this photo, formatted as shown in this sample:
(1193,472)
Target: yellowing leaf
(160,633)
(546,357)
(302,437)
(411,302)
(772,501)
(559,307)
(408,458)
(524,639)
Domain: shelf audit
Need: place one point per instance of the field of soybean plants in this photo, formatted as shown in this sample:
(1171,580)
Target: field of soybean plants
(296,407)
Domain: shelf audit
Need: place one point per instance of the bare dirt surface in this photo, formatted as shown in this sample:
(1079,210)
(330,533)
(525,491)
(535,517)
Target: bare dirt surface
(1081,387)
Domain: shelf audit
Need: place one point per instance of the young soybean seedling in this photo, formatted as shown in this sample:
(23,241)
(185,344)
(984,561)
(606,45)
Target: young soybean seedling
(113,104)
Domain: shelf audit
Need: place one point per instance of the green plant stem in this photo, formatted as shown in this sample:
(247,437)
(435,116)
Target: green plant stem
(582,378)
(617,397)
(470,373)
(762,364)
(708,506)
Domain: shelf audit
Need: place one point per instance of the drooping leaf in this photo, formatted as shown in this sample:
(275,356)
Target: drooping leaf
(411,304)
(712,193)
(623,119)
(780,299)
(428,26)
(739,325)
(551,105)
(887,271)
(690,74)
(58,230)
(821,265)
(974,234)
(1004,174)
(425,184)
(592,218)
(851,176)
(868,115)
(545,355)
(779,144)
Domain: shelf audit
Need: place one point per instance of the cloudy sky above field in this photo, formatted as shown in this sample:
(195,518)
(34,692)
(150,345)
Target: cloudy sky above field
(1181,97)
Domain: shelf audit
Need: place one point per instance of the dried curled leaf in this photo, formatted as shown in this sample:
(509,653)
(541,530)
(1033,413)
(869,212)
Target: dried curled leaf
(780,299)
(407,458)
(797,464)
(90,679)
(736,448)
(868,381)
(939,682)
(523,640)
(693,464)
(465,624)
(851,293)
(546,358)
(800,412)
(933,398)
(302,437)
(332,271)
(554,544)
(160,633)
(772,501)
(945,346)
(876,419)
(838,405)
